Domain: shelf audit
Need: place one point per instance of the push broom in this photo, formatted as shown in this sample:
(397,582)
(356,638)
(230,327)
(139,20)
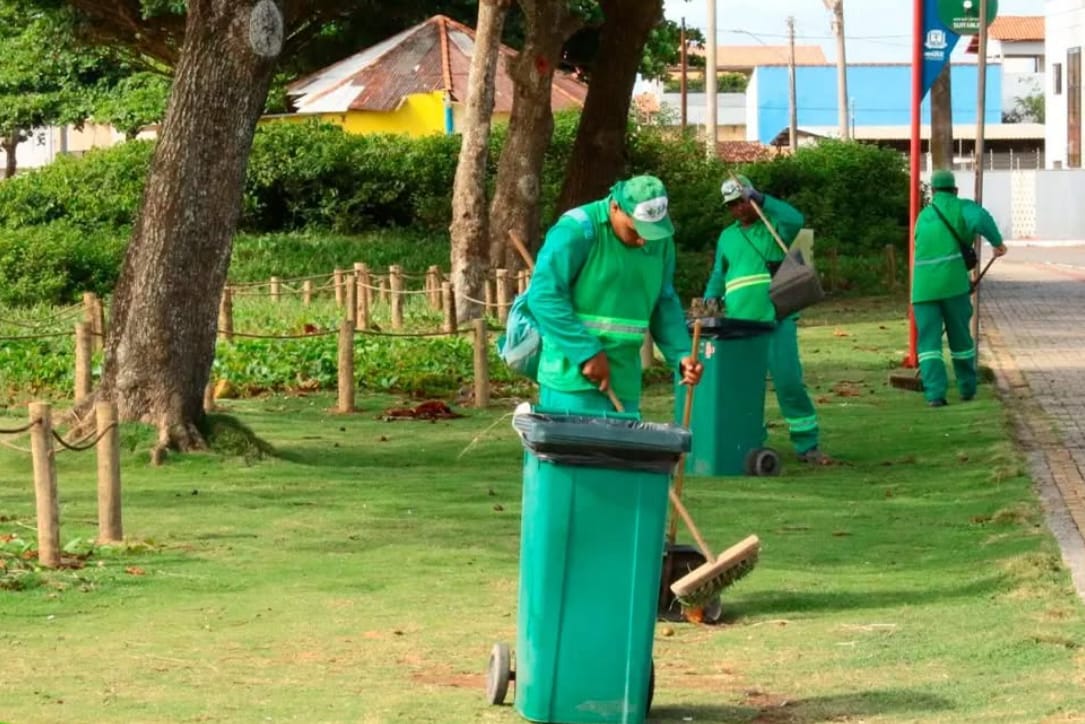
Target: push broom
(703,584)
(911,381)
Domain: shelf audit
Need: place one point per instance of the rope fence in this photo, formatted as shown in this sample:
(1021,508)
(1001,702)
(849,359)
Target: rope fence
(105,440)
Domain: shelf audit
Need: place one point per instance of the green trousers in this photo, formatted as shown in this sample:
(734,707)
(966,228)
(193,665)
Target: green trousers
(587,402)
(785,367)
(954,315)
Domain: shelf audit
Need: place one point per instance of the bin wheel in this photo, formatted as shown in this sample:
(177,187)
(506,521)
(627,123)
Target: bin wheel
(651,688)
(762,462)
(498,674)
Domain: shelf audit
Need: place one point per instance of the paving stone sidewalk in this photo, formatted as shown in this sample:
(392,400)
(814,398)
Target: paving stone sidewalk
(1032,333)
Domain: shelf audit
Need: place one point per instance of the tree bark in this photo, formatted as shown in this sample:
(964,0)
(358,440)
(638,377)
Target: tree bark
(8,145)
(942,121)
(470,239)
(515,204)
(598,157)
(162,336)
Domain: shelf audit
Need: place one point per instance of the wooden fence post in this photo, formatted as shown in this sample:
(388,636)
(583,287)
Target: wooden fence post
(395,282)
(521,281)
(382,290)
(337,277)
(482,365)
(502,294)
(891,265)
(307,292)
(448,301)
(346,366)
(45,484)
(488,297)
(93,315)
(366,284)
(350,287)
(275,288)
(226,316)
(433,286)
(109,474)
(361,296)
(83,353)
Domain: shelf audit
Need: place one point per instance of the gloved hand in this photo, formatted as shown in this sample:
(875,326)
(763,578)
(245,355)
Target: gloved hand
(749,193)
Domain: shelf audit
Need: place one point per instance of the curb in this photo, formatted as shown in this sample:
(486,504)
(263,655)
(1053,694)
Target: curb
(1059,482)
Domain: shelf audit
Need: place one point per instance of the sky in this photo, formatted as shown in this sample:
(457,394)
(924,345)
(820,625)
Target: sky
(877,30)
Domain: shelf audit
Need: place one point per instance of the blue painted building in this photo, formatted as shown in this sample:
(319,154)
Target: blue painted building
(880,97)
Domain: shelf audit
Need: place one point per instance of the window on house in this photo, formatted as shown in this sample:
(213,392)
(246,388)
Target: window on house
(1056,77)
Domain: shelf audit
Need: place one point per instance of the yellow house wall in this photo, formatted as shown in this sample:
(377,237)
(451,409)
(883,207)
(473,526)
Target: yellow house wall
(422,114)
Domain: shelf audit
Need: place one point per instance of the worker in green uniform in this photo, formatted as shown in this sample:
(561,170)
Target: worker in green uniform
(604,277)
(941,288)
(747,256)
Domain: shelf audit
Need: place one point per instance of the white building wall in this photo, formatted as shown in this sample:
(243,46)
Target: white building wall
(1065,28)
(753,118)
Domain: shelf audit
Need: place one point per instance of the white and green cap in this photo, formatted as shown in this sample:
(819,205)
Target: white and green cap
(732,189)
(644,198)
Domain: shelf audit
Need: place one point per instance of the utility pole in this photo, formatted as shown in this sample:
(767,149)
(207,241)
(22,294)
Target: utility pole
(792,103)
(710,62)
(682,82)
(941,145)
(837,8)
(981,123)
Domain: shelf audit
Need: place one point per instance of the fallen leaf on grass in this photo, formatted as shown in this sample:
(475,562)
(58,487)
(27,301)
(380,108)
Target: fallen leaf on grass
(847,389)
(135,571)
(841,333)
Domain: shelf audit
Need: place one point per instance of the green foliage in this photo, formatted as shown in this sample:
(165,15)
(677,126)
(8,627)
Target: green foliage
(310,253)
(135,101)
(56,263)
(45,77)
(725,83)
(311,174)
(854,196)
(102,188)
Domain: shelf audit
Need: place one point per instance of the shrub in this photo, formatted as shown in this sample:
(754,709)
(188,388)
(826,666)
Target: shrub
(56,263)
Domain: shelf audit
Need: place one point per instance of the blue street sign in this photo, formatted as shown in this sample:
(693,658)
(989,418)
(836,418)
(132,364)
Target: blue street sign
(938,43)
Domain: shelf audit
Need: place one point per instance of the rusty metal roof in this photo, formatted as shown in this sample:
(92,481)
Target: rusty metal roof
(432,56)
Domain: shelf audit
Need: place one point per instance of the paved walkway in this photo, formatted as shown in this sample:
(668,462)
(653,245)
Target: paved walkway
(1032,332)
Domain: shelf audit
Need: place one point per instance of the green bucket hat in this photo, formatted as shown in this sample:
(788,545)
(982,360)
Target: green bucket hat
(644,198)
(943,180)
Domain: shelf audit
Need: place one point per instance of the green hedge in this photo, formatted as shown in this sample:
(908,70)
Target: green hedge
(309,176)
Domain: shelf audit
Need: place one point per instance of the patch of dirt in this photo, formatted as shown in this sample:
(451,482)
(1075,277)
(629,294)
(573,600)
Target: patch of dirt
(431,410)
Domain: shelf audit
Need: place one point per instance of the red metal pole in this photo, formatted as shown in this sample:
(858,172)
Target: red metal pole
(916,149)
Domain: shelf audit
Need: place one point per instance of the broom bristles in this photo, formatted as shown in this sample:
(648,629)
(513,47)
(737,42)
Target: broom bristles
(704,583)
(911,382)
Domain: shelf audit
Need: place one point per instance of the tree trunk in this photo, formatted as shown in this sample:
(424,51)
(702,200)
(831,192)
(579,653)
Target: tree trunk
(162,335)
(515,205)
(598,157)
(8,145)
(470,240)
(942,121)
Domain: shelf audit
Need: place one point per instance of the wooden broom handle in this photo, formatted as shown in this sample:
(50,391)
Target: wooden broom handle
(519,245)
(709,556)
(687,413)
(765,219)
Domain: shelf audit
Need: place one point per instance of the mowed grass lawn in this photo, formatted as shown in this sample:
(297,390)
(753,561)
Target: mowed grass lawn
(362,573)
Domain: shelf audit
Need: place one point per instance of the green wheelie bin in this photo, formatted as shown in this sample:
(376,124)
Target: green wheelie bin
(728,420)
(595,501)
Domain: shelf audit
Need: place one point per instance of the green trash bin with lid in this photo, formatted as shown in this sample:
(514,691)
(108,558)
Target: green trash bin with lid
(728,416)
(595,501)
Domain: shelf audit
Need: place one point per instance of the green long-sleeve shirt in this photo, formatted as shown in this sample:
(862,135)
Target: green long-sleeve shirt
(570,257)
(939,270)
(740,274)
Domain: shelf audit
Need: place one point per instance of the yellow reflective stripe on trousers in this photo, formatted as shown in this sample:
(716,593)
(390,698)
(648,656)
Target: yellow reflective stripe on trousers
(747,281)
(614,327)
(802,424)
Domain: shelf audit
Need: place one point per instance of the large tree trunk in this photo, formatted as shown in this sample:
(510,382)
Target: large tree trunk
(162,336)
(8,145)
(515,206)
(598,157)
(942,121)
(470,241)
